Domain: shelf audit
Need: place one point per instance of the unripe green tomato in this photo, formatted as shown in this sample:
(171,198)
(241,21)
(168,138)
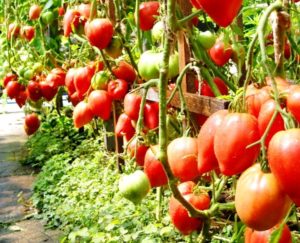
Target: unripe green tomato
(135,186)
(37,67)
(22,71)
(150,63)
(100,80)
(28,74)
(158,31)
(206,39)
(47,17)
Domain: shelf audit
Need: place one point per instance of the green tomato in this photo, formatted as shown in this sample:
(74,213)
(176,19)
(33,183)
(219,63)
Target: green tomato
(206,39)
(22,71)
(100,80)
(38,67)
(135,186)
(48,17)
(150,63)
(28,74)
(158,31)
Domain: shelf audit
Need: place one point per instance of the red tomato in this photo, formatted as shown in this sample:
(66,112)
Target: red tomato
(75,98)
(196,4)
(62,76)
(99,27)
(28,32)
(186,188)
(100,104)
(9,77)
(207,91)
(132,103)
(255,98)
(221,12)
(71,19)
(182,156)
(253,236)
(124,126)
(82,114)
(34,12)
(200,119)
(61,11)
(220,53)
(236,132)
(138,151)
(82,80)
(12,89)
(293,101)
(151,118)
(283,154)
(48,90)
(125,71)
(32,123)
(259,200)
(69,80)
(287,50)
(21,98)
(266,112)
(84,10)
(117,89)
(13,30)
(148,13)
(154,169)
(34,91)
(180,216)
(207,160)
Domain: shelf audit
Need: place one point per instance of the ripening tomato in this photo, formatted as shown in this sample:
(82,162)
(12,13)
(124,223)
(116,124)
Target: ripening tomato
(34,91)
(283,85)
(293,101)
(125,71)
(207,160)
(97,28)
(124,126)
(231,151)
(82,114)
(154,169)
(266,112)
(220,53)
(61,74)
(253,236)
(259,200)
(70,21)
(100,104)
(34,12)
(28,32)
(48,90)
(117,89)
(84,9)
(148,12)
(32,123)
(13,30)
(182,156)
(151,111)
(180,216)
(132,103)
(115,47)
(12,89)
(82,80)
(255,98)
(221,12)
(137,150)
(283,156)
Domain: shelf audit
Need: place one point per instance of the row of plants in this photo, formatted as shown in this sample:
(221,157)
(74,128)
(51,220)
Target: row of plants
(230,177)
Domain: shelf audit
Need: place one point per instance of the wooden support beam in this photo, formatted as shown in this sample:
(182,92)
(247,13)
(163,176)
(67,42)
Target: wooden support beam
(199,104)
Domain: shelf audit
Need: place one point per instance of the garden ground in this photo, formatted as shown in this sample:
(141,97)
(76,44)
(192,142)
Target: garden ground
(16,181)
